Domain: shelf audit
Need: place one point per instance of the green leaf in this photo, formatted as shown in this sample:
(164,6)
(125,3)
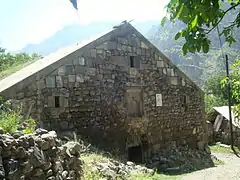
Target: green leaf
(194,22)
(180,11)
(230,40)
(205,47)
(163,21)
(185,49)
(178,35)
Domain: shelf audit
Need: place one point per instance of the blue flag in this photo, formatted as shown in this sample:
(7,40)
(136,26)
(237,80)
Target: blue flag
(74,3)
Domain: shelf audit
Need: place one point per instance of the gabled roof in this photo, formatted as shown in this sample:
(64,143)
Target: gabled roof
(53,58)
(44,62)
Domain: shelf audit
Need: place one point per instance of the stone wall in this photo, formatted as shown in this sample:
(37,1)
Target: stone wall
(38,156)
(119,92)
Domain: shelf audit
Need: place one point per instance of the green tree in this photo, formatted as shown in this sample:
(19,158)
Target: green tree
(201,18)
(215,93)
(8,60)
(213,86)
(234,80)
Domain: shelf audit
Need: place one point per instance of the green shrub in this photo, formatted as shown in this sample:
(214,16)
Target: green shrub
(9,122)
(211,101)
(31,125)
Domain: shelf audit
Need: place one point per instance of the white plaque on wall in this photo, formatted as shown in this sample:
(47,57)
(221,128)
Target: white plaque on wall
(158,99)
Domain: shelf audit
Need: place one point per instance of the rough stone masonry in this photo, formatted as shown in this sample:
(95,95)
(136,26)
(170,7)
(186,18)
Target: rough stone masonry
(119,91)
(39,156)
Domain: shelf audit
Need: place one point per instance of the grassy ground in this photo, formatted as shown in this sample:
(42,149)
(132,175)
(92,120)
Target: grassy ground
(217,148)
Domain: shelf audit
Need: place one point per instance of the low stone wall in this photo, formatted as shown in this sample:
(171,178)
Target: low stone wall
(182,159)
(38,156)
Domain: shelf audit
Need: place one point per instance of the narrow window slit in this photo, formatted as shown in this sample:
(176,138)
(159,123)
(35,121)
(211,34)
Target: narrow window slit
(57,101)
(131,61)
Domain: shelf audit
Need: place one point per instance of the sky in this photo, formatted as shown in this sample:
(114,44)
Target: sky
(32,21)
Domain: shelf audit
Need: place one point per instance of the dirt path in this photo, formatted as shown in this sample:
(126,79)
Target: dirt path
(229,171)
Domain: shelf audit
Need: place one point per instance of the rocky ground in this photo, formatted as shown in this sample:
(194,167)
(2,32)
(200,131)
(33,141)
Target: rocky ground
(225,166)
(43,155)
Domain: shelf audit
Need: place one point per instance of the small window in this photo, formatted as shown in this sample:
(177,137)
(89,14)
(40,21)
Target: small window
(57,101)
(132,61)
(185,99)
(185,102)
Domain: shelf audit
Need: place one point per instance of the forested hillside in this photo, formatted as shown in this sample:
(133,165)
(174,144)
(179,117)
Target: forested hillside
(198,66)
(10,63)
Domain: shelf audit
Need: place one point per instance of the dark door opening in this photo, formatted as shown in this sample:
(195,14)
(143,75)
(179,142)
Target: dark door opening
(135,154)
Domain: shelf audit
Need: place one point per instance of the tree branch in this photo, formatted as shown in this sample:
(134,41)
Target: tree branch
(225,12)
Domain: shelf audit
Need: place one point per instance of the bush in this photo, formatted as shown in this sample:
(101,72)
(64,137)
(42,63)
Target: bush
(9,122)
(11,119)
(30,126)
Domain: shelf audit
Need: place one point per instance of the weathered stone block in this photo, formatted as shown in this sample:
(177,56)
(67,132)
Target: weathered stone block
(50,81)
(160,64)
(122,40)
(80,69)
(93,53)
(183,82)
(111,45)
(63,101)
(172,72)
(80,78)
(61,70)
(143,45)
(32,87)
(59,81)
(71,78)
(51,102)
(69,70)
(79,61)
(91,72)
(174,80)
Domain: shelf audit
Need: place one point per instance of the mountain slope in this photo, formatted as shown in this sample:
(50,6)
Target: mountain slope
(77,33)
(198,66)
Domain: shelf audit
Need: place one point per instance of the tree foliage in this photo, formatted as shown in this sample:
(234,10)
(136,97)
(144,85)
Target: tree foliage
(213,86)
(11,119)
(7,60)
(201,18)
(234,81)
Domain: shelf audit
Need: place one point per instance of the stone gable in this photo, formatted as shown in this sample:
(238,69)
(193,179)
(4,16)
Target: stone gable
(120,92)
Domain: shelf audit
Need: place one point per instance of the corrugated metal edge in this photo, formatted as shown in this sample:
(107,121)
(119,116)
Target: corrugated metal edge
(224,111)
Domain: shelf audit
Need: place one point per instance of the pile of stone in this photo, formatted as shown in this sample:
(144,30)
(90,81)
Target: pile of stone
(182,159)
(112,169)
(38,156)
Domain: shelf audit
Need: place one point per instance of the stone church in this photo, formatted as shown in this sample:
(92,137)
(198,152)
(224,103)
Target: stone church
(117,90)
